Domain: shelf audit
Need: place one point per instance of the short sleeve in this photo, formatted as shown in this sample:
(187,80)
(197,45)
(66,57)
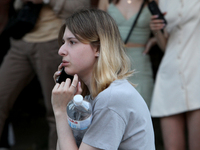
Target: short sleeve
(106,130)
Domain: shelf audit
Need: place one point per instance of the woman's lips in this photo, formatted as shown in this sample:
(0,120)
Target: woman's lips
(65,63)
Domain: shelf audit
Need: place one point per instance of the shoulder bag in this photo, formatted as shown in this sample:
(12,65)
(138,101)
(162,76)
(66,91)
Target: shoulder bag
(134,22)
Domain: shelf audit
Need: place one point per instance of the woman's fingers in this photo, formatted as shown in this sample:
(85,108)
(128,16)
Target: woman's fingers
(157,27)
(156,24)
(151,42)
(56,75)
(60,67)
(61,96)
(154,17)
(55,87)
(64,92)
(76,85)
(79,89)
(74,82)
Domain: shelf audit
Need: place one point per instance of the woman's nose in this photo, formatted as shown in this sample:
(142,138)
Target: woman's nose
(62,51)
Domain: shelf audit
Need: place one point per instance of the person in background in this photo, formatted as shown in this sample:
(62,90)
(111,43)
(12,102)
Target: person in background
(176,97)
(5,13)
(124,13)
(35,54)
(94,53)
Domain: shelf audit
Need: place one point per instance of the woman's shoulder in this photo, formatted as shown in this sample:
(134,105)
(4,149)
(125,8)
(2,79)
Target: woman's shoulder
(119,94)
(118,88)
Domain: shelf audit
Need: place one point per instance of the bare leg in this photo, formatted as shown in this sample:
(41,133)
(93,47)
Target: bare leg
(173,129)
(193,123)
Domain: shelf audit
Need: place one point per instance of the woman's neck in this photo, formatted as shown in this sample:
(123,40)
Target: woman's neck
(87,81)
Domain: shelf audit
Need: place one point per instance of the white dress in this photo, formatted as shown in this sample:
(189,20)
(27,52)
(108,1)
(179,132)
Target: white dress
(177,87)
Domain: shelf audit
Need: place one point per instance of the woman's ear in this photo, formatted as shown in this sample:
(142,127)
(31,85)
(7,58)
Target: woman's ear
(97,52)
(97,55)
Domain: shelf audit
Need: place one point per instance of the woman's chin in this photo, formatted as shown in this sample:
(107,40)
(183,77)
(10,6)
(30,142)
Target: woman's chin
(69,72)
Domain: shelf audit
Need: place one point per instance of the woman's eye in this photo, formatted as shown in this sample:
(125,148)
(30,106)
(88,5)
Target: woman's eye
(72,42)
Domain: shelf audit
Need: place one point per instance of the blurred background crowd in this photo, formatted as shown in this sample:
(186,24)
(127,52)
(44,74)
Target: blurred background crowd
(165,57)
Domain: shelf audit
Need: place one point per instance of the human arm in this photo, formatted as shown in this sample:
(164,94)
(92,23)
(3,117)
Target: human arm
(66,139)
(103,4)
(61,95)
(156,25)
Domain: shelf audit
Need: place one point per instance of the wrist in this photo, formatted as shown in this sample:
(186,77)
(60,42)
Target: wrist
(59,111)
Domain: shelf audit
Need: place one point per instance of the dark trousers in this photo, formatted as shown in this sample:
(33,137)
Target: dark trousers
(23,61)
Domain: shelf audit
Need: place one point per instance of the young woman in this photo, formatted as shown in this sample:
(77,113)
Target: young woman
(93,52)
(176,97)
(124,12)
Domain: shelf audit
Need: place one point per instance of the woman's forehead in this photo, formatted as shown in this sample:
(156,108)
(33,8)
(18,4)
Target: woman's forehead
(68,33)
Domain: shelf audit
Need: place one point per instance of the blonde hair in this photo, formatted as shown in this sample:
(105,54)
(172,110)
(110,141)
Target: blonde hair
(99,29)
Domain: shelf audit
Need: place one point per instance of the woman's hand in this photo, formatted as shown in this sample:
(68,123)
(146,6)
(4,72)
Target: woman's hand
(151,42)
(63,93)
(156,24)
(57,73)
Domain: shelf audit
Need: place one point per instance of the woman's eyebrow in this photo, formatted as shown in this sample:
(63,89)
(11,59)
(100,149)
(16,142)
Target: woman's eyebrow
(69,38)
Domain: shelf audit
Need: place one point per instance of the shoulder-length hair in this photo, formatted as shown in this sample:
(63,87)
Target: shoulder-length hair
(99,29)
